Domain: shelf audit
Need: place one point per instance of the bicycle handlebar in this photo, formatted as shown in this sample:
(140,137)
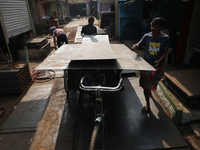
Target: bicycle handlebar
(100,88)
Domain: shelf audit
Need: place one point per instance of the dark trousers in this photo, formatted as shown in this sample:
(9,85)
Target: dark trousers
(62,38)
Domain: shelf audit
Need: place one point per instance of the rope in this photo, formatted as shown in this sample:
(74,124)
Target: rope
(40,76)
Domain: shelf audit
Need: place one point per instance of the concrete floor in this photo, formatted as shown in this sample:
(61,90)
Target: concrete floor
(126,127)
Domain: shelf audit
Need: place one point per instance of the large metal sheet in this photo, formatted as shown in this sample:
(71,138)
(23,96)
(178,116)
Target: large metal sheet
(30,110)
(16,141)
(60,58)
(127,60)
(94,64)
(79,38)
(100,31)
(94,48)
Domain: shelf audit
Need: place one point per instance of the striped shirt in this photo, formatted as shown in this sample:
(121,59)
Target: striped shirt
(58,32)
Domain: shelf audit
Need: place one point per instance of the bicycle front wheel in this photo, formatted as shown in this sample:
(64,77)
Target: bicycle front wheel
(96,142)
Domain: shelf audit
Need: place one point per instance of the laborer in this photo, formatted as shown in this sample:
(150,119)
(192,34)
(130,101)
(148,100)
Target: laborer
(52,29)
(60,35)
(89,29)
(156,48)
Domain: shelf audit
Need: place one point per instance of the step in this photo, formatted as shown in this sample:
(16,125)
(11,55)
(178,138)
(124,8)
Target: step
(179,112)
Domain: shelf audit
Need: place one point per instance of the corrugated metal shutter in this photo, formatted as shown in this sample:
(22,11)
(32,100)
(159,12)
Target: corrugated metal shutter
(15,15)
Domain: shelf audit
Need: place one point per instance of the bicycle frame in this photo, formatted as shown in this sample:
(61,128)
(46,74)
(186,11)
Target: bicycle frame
(99,112)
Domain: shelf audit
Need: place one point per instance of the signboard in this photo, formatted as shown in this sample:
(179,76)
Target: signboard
(78,1)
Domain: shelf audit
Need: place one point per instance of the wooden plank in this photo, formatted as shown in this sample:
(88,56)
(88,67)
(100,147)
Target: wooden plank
(187,81)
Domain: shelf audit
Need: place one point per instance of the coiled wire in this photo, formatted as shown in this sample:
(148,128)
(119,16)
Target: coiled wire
(40,76)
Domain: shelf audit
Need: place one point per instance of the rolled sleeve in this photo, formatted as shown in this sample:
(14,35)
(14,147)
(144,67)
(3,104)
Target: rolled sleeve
(142,41)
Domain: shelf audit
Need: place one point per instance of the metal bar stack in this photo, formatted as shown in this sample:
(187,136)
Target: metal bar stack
(14,81)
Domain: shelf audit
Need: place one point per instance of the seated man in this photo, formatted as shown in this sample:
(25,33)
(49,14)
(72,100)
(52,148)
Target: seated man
(89,29)
(61,37)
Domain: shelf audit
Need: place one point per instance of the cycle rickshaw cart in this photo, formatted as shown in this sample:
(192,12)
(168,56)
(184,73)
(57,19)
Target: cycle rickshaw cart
(93,67)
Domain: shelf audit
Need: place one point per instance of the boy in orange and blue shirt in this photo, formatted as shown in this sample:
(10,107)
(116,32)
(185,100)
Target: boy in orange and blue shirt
(156,48)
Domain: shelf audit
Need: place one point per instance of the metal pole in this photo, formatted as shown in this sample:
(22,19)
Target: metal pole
(31,20)
(36,16)
(26,56)
(116,19)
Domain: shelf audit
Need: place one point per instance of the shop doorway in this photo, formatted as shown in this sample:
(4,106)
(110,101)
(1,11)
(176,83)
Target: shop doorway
(78,9)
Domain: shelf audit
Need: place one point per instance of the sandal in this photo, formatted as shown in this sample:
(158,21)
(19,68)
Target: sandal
(145,110)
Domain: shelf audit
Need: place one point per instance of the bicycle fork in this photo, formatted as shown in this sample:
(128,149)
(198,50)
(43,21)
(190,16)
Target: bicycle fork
(99,114)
